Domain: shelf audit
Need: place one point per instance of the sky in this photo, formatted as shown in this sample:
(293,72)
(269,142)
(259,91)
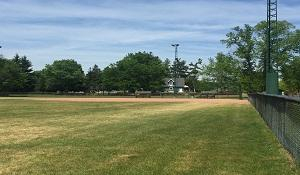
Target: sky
(104,31)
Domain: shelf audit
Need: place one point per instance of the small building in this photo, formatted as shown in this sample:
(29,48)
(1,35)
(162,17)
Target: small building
(174,85)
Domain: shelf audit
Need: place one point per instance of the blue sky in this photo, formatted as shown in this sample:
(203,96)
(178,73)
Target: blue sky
(104,31)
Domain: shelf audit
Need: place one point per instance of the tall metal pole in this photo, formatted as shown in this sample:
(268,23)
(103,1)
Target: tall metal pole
(176,50)
(176,73)
(176,54)
(1,55)
(271,74)
(268,62)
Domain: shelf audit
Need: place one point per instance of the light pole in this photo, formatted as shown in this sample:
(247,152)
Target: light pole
(271,73)
(176,57)
(176,49)
(1,55)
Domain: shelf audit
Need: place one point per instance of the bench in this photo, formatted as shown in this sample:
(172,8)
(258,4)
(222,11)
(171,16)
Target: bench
(143,94)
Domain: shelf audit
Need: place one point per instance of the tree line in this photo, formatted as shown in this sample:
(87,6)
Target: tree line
(240,70)
(136,71)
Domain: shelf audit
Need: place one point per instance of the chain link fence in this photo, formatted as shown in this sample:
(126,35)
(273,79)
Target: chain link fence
(282,115)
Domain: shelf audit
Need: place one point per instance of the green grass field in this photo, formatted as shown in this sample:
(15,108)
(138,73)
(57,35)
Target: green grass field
(40,137)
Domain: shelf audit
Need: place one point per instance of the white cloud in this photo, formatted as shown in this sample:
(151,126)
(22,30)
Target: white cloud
(103,31)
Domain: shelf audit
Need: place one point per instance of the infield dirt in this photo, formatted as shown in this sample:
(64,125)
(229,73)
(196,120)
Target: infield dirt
(138,100)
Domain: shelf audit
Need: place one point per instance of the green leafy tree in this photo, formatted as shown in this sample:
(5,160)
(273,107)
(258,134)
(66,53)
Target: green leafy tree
(167,64)
(26,68)
(285,41)
(12,78)
(295,42)
(291,75)
(135,72)
(64,75)
(23,62)
(249,45)
(111,78)
(179,69)
(94,79)
(40,83)
(242,41)
(193,74)
(225,72)
(141,71)
(205,84)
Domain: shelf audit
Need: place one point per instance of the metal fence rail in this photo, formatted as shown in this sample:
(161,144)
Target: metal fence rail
(282,115)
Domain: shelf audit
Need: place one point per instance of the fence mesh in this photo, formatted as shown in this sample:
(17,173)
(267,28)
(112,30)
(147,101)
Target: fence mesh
(282,115)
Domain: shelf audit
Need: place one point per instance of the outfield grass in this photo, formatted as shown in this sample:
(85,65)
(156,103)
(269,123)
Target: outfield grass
(40,137)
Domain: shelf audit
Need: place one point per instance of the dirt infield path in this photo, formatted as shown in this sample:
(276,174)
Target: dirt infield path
(138,100)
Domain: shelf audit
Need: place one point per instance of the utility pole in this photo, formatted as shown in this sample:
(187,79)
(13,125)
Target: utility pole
(271,73)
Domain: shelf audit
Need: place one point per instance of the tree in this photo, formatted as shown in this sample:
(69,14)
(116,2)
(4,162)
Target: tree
(111,78)
(291,75)
(94,79)
(134,72)
(287,41)
(205,84)
(11,76)
(193,74)
(26,68)
(141,71)
(40,83)
(23,62)
(63,75)
(295,42)
(283,37)
(286,44)
(179,69)
(243,42)
(167,64)
(224,72)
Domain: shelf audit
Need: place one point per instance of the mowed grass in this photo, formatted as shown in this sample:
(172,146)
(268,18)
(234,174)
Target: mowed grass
(40,137)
